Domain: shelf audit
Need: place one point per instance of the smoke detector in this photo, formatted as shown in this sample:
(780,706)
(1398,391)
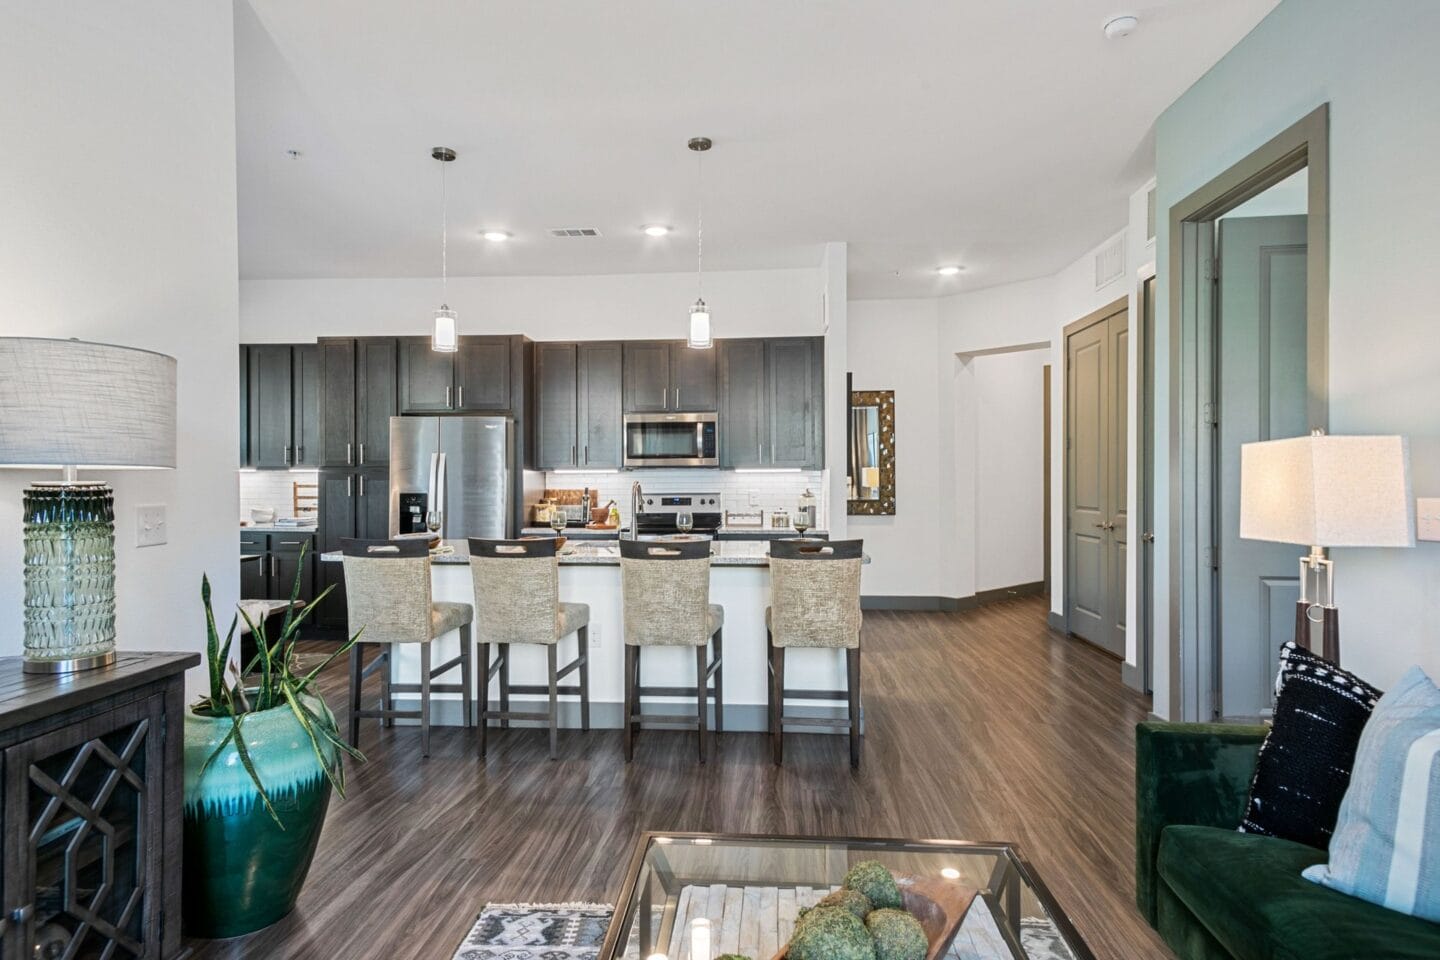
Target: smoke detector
(1121,26)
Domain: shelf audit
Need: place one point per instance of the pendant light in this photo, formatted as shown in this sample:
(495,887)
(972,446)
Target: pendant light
(701,335)
(444,338)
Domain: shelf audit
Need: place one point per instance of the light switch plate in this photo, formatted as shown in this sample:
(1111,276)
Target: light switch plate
(1427,518)
(754,498)
(594,634)
(150,526)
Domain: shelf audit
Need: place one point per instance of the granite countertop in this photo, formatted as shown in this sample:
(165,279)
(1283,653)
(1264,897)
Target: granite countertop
(724,553)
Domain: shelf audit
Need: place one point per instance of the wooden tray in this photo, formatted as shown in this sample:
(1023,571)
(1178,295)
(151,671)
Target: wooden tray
(940,905)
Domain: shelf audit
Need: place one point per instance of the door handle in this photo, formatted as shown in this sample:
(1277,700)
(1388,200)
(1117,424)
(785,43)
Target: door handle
(349,486)
(362,484)
(349,455)
(1148,537)
(460,396)
(448,404)
(677,398)
(362,454)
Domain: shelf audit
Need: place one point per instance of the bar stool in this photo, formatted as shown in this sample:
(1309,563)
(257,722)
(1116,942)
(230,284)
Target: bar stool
(815,602)
(387,583)
(666,591)
(517,600)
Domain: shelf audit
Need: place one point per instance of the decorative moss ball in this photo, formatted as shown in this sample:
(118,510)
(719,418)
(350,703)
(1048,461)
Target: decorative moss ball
(898,935)
(852,900)
(830,933)
(731,956)
(877,883)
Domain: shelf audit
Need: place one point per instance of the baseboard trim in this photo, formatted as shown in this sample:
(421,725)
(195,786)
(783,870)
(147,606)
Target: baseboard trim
(1130,676)
(950,604)
(1057,622)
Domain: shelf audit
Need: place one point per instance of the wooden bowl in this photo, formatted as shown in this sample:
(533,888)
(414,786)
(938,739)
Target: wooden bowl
(939,904)
(559,541)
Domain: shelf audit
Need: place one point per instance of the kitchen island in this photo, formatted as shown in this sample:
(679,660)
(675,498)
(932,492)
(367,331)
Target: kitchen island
(590,573)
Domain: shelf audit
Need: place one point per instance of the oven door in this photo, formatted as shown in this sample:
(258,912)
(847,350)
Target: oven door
(671,440)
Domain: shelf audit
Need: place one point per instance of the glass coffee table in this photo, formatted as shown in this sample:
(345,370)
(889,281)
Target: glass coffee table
(750,888)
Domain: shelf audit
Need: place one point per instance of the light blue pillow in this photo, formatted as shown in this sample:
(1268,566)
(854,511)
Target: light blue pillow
(1386,846)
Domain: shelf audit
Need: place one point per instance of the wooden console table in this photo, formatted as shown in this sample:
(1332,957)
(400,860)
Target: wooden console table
(91,768)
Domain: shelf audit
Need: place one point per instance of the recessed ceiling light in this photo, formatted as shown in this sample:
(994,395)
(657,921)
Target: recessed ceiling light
(496,236)
(948,271)
(1121,26)
(655,229)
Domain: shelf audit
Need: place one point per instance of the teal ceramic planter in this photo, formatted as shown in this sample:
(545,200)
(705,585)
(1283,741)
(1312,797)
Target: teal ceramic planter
(242,872)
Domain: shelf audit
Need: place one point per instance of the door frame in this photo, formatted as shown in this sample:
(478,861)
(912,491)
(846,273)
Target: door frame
(1189,292)
(1139,677)
(1068,331)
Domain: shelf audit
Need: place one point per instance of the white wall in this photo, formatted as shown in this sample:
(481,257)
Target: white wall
(748,303)
(892,347)
(1009,464)
(1379,75)
(117,169)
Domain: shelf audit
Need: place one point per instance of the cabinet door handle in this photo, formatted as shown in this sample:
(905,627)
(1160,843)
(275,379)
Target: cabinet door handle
(677,398)
(572,454)
(447,398)
(587,454)
(286,454)
(349,486)
(665,397)
(362,484)
(460,396)
(300,454)
(349,455)
(289,543)
(272,564)
(760,452)
(362,454)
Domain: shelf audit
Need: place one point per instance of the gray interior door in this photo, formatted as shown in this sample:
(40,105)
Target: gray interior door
(1086,562)
(1261,395)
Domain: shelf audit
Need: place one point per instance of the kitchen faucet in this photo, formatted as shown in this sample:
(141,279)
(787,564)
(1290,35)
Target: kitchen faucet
(636,505)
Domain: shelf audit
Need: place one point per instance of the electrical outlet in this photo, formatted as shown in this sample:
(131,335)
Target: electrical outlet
(594,634)
(1427,518)
(149,526)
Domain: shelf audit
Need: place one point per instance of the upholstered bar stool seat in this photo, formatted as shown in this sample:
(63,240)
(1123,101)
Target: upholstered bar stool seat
(388,590)
(815,603)
(517,600)
(666,592)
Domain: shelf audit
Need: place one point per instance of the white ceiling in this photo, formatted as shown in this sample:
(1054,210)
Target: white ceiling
(1003,135)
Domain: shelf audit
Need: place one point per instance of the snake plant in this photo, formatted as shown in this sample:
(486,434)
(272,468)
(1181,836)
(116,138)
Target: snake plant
(270,681)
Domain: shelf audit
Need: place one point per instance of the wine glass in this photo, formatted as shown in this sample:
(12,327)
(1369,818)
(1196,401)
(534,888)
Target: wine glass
(432,521)
(558,520)
(802,521)
(684,521)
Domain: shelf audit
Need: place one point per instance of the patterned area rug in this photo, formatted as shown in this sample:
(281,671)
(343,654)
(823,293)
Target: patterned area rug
(576,931)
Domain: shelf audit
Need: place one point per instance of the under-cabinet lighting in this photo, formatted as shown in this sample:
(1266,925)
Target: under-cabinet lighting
(767,470)
(587,471)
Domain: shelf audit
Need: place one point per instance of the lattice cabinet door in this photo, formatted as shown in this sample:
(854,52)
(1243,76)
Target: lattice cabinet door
(83,846)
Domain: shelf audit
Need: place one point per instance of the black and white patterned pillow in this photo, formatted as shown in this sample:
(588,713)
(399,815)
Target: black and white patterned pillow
(1305,761)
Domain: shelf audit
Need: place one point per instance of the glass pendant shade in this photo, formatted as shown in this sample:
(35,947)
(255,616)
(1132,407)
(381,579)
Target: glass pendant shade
(700,335)
(444,340)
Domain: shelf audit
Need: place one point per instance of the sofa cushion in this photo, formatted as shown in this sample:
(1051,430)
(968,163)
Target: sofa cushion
(1304,764)
(1249,894)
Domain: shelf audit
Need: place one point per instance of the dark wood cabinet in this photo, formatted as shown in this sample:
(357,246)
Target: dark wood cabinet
(359,396)
(647,376)
(270,422)
(557,414)
(692,378)
(305,404)
(91,869)
(337,402)
(600,428)
(794,378)
(353,503)
(427,378)
(271,576)
(745,427)
(482,375)
(772,402)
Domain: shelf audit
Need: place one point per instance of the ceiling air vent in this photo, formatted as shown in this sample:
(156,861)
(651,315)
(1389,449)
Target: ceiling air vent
(565,233)
(1110,262)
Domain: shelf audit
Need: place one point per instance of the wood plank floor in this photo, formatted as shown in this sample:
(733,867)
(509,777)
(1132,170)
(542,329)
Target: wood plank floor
(981,725)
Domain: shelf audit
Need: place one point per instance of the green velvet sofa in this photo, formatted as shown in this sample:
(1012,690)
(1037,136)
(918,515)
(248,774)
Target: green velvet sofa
(1214,893)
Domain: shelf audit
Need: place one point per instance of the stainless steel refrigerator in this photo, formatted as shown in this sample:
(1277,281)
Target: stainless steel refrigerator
(463,464)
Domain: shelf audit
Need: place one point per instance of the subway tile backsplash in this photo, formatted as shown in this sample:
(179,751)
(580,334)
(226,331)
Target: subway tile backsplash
(260,489)
(772,491)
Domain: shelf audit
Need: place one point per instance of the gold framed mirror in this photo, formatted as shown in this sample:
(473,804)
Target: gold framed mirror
(870,445)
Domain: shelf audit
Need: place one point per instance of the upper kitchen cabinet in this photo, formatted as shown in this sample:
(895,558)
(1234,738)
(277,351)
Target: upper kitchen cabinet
(772,402)
(478,378)
(359,383)
(280,417)
(578,393)
(665,375)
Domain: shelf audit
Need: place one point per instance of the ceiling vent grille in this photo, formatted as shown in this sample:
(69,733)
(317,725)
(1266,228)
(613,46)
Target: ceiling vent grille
(1150,215)
(1110,262)
(567,233)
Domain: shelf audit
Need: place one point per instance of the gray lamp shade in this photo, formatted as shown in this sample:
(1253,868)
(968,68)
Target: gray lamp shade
(1327,491)
(92,405)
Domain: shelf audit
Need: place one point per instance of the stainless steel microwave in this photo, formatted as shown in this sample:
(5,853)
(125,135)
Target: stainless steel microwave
(671,440)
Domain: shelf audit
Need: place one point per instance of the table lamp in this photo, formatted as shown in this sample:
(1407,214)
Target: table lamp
(73,405)
(1322,491)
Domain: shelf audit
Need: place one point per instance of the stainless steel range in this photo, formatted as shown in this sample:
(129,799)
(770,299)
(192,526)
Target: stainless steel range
(655,513)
